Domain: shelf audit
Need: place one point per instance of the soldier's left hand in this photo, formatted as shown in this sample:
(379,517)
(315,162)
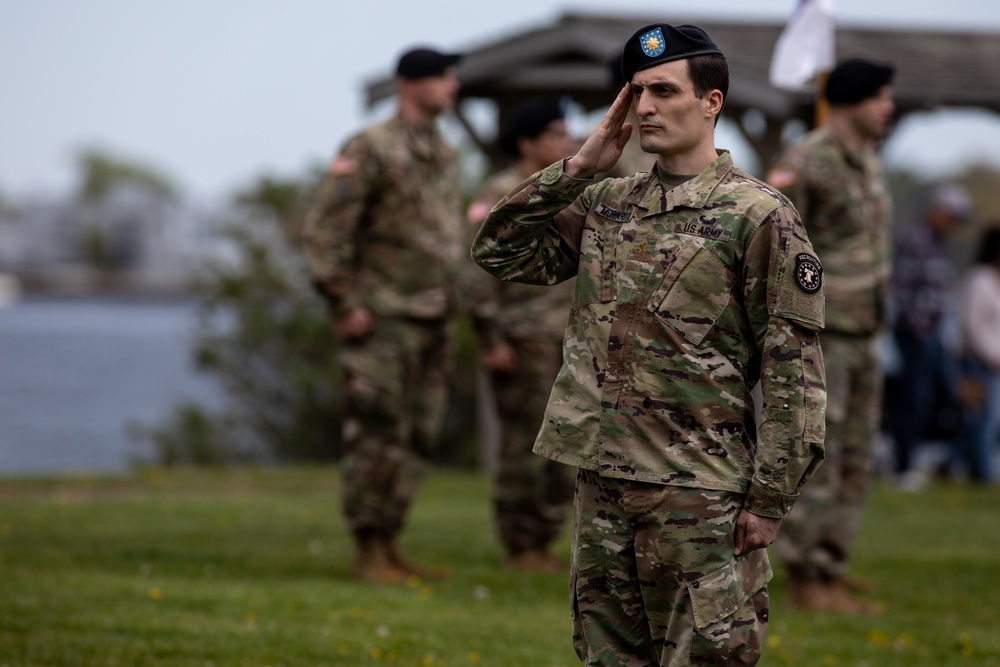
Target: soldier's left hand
(754,532)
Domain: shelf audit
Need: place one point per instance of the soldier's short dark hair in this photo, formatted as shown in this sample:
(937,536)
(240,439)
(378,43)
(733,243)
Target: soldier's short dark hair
(708,73)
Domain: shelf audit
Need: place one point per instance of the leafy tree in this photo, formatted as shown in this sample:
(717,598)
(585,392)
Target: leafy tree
(266,337)
(101,174)
(105,241)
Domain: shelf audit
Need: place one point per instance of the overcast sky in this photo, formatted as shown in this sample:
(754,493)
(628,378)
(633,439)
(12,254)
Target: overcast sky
(217,92)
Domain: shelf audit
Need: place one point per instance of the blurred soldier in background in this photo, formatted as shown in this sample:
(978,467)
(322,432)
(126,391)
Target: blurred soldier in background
(520,330)
(834,178)
(383,241)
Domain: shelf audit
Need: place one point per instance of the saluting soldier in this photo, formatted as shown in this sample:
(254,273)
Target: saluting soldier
(520,330)
(693,281)
(834,178)
(384,240)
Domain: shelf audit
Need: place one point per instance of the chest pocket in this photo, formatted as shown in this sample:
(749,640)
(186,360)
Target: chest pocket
(695,292)
(595,281)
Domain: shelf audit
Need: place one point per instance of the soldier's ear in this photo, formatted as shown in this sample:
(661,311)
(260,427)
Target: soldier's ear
(714,100)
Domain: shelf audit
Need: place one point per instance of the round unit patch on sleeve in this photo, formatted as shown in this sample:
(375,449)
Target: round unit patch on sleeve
(808,273)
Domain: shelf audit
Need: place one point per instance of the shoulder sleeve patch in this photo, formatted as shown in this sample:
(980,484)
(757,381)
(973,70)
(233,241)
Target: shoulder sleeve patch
(808,273)
(798,276)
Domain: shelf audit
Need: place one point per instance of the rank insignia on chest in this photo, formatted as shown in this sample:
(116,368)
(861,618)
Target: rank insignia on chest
(808,273)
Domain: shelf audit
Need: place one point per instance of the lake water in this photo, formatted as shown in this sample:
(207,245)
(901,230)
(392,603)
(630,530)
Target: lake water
(75,373)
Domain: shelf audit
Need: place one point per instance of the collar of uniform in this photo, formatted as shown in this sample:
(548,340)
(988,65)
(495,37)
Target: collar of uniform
(423,140)
(859,159)
(692,194)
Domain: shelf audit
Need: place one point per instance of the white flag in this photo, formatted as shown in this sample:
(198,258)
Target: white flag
(805,46)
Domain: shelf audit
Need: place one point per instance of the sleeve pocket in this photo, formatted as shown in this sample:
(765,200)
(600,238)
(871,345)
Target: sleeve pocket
(796,298)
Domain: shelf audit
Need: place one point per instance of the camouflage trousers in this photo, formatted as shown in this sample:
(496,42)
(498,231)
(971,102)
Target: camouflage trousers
(532,495)
(654,580)
(816,537)
(394,394)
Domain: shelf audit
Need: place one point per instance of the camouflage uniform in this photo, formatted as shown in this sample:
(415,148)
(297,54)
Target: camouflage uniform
(844,203)
(532,495)
(386,236)
(683,301)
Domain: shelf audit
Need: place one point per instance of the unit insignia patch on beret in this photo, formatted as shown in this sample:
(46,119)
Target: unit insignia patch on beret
(652,43)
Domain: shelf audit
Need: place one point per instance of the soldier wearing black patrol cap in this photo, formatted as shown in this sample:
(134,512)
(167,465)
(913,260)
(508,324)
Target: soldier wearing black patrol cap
(856,79)
(693,281)
(383,242)
(420,63)
(834,178)
(532,118)
(519,329)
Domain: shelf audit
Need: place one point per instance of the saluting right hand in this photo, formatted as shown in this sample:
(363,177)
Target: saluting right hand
(601,150)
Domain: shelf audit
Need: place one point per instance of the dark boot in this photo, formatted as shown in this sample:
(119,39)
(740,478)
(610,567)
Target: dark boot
(534,560)
(371,561)
(401,562)
(807,593)
(817,594)
(855,584)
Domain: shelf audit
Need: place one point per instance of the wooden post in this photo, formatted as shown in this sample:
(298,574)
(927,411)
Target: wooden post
(822,106)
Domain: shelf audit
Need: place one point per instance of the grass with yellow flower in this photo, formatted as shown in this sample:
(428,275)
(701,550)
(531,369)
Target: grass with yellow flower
(246,567)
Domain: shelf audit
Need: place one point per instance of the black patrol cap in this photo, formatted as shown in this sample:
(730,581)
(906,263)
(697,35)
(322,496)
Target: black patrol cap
(529,119)
(422,62)
(662,43)
(856,79)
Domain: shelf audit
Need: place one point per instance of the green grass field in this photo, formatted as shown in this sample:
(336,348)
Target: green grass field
(249,568)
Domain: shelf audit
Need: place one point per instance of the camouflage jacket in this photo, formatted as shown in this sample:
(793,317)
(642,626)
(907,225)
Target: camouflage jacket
(683,300)
(501,310)
(386,231)
(844,203)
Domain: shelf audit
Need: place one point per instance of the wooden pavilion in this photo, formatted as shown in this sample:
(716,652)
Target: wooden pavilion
(572,57)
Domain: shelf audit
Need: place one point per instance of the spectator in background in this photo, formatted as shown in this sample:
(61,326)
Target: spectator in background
(980,378)
(520,332)
(922,288)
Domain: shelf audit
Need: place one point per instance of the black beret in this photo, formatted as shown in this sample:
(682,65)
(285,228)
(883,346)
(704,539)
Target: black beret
(662,43)
(529,119)
(424,62)
(856,79)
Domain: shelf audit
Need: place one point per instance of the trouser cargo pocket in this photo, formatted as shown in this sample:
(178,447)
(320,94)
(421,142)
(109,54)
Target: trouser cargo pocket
(718,595)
